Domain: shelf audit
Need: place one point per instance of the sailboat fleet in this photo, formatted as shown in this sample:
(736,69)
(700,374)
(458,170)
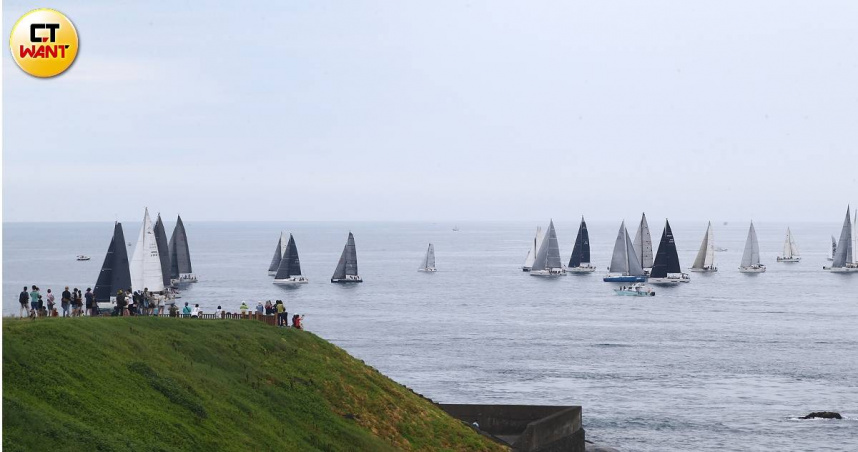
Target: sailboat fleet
(155,266)
(159,266)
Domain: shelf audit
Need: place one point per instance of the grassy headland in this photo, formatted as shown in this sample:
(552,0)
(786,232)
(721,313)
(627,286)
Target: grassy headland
(171,384)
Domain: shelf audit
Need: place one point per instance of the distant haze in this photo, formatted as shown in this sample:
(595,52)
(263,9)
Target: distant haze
(441,111)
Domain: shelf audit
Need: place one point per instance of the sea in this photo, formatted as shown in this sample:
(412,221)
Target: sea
(726,362)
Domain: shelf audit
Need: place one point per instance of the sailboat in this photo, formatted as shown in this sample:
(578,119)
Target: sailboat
(625,266)
(790,250)
(705,260)
(163,250)
(833,248)
(428,264)
(844,257)
(289,270)
(665,268)
(531,253)
(751,256)
(579,262)
(278,254)
(643,244)
(347,269)
(115,273)
(547,261)
(146,262)
(855,238)
(180,255)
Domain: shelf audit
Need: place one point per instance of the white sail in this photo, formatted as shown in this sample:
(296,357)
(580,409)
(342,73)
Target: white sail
(624,261)
(844,253)
(855,238)
(643,243)
(531,254)
(429,260)
(706,255)
(146,262)
(790,248)
(751,256)
(710,249)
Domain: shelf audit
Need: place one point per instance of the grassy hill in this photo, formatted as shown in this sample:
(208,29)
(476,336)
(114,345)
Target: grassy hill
(171,384)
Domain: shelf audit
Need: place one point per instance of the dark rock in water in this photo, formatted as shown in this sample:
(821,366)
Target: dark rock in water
(823,415)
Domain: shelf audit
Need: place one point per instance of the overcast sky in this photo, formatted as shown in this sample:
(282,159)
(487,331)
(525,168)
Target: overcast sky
(480,110)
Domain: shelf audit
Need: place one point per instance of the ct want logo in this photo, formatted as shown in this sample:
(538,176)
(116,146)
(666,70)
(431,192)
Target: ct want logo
(44,42)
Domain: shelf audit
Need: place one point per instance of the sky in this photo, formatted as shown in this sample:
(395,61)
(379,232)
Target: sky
(438,111)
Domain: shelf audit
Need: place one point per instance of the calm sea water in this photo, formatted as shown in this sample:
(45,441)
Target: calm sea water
(727,361)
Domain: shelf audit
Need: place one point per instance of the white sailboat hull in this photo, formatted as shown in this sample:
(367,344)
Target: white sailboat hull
(789,259)
(704,269)
(291,281)
(347,279)
(427,270)
(847,269)
(549,272)
(581,270)
(753,269)
(670,280)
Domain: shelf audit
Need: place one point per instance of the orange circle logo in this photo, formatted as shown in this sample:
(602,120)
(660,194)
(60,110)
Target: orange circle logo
(44,42)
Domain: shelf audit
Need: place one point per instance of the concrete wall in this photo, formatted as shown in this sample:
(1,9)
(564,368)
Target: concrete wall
(527,428)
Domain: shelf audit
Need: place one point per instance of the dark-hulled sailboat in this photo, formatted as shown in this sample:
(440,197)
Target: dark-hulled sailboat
(115,272)
(347,269)
(580,260)
(665,267)
(289,270)
(180,255)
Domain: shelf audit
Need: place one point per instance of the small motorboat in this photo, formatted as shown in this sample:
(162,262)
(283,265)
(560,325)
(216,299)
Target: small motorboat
(81,257)
(635,290)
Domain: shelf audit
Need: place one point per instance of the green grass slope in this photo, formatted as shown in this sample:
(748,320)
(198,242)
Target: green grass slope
(173,384)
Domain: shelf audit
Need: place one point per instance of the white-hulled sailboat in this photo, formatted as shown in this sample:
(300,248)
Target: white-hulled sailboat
(643,244)
(705,260)
(751,256)
(579,262)
(625,265)
(289,270)
(145,263)
(180,255)
(547,261)
(347,269)
(790,250)
(428,264)
(278,254)
(666,269)
(844,257)
(531,253)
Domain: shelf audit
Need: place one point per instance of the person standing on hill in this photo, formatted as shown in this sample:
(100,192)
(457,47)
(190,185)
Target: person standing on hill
(260,309)
(243,308)
(34,299)
(90,303)
(281,314)
(65,301)
(186,311)
(23,298)
(51,304)
(120,302)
